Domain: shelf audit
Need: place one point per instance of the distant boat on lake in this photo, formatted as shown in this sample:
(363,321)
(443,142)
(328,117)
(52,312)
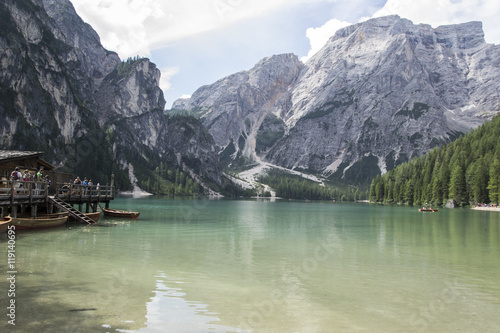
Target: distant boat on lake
(433,210)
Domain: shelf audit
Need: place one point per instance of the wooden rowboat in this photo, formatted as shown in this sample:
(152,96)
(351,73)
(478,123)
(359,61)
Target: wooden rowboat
(4,223)
(433,210)
(120,213)
(94,216)
(39,222)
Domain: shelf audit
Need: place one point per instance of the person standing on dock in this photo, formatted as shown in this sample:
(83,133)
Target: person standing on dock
(16,174)
(38,180)
(16,177)
(27,176)
(77,186)
(85,183)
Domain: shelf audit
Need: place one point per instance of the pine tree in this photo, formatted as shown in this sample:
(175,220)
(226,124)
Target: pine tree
(477,177)
(457,186)
(373,189)
(494,182)
(409,191)
(380,191)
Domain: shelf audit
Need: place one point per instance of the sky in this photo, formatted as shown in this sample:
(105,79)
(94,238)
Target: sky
(197,42)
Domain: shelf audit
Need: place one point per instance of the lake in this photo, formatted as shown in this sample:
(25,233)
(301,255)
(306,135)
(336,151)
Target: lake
(196,265)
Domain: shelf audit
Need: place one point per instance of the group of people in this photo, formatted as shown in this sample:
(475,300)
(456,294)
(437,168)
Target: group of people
(18,178)
(78,181)
(85,185)
(28,176)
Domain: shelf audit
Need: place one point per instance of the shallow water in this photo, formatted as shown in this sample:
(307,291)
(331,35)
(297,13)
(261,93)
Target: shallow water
(259,266)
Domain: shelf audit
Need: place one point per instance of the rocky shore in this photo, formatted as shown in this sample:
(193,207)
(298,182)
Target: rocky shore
(491,209)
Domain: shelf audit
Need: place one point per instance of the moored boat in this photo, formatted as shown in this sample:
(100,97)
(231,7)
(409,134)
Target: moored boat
(4,223)
(433,210)
(120,213)
(39,222)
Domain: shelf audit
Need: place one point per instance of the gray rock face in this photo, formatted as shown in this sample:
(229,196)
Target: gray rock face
(130,90)
(234,108)
(451,204)
(381,91)
(61,92)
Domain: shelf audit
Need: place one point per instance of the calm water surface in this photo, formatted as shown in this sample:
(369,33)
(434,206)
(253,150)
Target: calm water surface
(259,266)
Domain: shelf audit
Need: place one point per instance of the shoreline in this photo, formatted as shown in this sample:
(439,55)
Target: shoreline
(489,209)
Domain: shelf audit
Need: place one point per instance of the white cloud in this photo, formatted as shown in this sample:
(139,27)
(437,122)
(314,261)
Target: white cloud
(166,75)
(441,12)
(136,27)
(121,24)
(433,12)
(319,36)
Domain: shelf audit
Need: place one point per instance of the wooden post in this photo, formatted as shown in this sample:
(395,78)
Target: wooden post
(31,191)
(13,211)
(11,193)
(112,185)
(34,209)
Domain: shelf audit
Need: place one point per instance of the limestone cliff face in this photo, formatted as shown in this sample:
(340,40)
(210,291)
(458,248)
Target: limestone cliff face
(61,92)
(378,93)
(131,89)
(234,108)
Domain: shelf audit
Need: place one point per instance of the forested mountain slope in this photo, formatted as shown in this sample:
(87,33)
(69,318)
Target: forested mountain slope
(466,171)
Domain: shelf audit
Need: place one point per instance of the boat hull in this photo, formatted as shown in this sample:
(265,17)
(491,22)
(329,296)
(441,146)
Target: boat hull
(428,210)
(4,224)
(39,222)
(120,213)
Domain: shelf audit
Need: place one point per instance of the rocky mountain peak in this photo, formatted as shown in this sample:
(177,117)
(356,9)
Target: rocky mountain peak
(378,93)
(234,108)
(461,36)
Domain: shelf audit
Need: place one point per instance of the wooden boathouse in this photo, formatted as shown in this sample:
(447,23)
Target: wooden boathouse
(18,196)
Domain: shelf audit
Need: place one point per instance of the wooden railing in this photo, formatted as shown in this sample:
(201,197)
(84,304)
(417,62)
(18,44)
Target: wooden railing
(13,192)
(15,189)
(77,192)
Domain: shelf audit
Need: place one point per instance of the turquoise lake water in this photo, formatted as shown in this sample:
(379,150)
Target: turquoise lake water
(259,266)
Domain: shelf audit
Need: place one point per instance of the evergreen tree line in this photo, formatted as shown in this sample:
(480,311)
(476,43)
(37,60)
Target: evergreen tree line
(170,181)
(296,187)
(466,170)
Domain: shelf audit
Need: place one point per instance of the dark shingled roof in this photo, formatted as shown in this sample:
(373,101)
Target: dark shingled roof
(13,155)
(17,154)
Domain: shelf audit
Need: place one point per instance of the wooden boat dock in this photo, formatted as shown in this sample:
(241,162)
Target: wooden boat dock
(34,195)
(27,198)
